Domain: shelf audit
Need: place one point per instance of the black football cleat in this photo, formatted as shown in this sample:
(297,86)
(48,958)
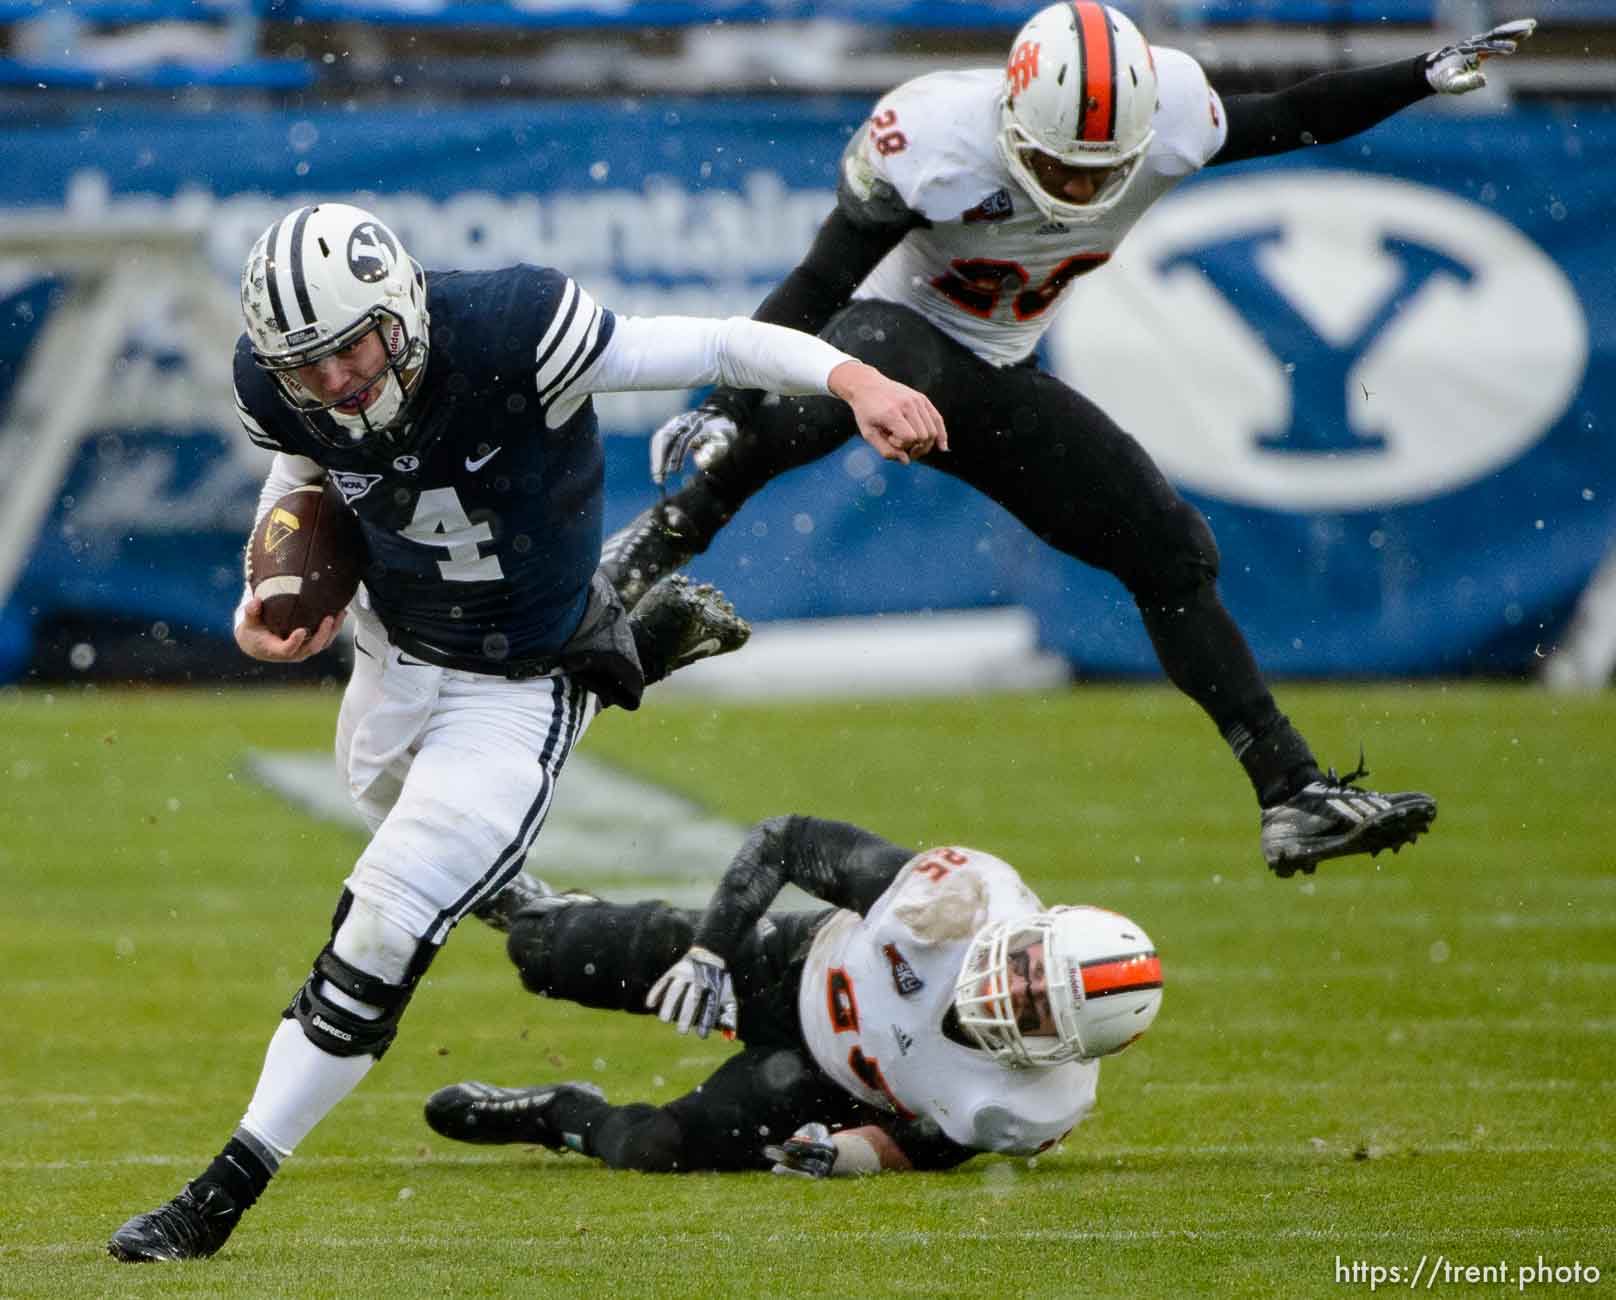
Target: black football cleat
(524,893)
(1333,818)
(683,622)
(482,1113)
(645,550)
(191,1226)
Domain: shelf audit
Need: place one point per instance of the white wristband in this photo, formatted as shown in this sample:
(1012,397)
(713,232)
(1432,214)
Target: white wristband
(854,1155)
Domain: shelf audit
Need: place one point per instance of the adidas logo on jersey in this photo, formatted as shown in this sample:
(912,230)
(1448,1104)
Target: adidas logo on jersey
(904,978)
(903,1040)
(1052,228)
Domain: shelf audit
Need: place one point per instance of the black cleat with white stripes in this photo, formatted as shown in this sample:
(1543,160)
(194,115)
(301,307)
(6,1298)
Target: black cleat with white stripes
(1334,818)
(483,1113)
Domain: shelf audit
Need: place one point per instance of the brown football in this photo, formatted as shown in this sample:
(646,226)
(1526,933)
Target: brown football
(305,559)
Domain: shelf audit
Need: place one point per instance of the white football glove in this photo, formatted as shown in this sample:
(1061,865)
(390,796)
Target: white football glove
(697,988)
(807,1153)
(1454,69)
(697,436)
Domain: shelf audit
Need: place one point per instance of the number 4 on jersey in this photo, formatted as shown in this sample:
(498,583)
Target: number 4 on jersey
(440,520)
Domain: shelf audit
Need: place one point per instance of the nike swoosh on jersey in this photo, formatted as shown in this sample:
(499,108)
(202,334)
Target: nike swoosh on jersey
(475,465)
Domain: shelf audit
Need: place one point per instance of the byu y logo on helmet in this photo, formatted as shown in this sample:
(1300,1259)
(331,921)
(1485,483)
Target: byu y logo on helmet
(336,313)
(372,252)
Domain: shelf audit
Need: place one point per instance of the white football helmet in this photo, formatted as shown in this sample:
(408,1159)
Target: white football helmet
(316,282)
(1080,87)
(1102,975)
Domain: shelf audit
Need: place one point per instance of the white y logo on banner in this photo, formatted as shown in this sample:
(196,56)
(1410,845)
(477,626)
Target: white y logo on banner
(1326,340)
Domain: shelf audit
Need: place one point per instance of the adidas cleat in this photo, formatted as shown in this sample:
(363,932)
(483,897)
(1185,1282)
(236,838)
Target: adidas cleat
(482,1113)
(645,550)
(1333,818)
(191,1226)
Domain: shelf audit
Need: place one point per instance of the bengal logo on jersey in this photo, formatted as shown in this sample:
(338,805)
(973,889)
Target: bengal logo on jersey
(904,978)
(996,207)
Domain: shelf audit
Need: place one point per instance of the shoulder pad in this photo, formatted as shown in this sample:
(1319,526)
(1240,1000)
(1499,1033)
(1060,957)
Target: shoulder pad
(933,141)
(940,907)
(257,404)
(1189,117)
(867,198)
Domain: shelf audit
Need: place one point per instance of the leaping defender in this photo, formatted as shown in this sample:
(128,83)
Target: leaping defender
(970,206)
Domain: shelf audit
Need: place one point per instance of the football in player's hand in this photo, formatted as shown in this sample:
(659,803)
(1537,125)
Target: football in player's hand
(305,559)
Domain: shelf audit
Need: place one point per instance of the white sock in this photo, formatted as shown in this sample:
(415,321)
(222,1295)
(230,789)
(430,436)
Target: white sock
(297,1088)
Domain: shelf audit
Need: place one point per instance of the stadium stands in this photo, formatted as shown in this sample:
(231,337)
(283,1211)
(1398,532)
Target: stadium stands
(476,47)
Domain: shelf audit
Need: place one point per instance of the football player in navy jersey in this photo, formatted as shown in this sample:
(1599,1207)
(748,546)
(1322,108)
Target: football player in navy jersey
(934,1009)
(453,413)
(969,206)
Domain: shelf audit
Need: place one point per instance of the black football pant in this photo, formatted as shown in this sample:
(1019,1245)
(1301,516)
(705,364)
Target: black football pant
(608,955)
(1060,465)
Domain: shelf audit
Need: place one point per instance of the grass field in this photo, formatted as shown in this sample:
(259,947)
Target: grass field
(1401,1058)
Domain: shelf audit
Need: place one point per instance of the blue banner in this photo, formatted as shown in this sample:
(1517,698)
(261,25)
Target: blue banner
(1381,368)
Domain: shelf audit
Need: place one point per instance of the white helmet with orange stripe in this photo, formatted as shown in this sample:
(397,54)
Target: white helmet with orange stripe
(1080,91)
(1072,983)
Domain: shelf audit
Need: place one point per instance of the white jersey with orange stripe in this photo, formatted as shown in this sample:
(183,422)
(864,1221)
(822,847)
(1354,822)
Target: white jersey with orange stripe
(988,269)
(876,990)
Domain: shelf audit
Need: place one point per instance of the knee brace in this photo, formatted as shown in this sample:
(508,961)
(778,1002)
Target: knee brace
(603,955)
(338,1029)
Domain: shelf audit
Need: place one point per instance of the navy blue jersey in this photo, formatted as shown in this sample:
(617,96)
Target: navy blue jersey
(483,538)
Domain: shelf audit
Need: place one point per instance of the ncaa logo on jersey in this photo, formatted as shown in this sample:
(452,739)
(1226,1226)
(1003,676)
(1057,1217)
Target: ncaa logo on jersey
(351,485)
(904,978)
(996,207)
(1327,340)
